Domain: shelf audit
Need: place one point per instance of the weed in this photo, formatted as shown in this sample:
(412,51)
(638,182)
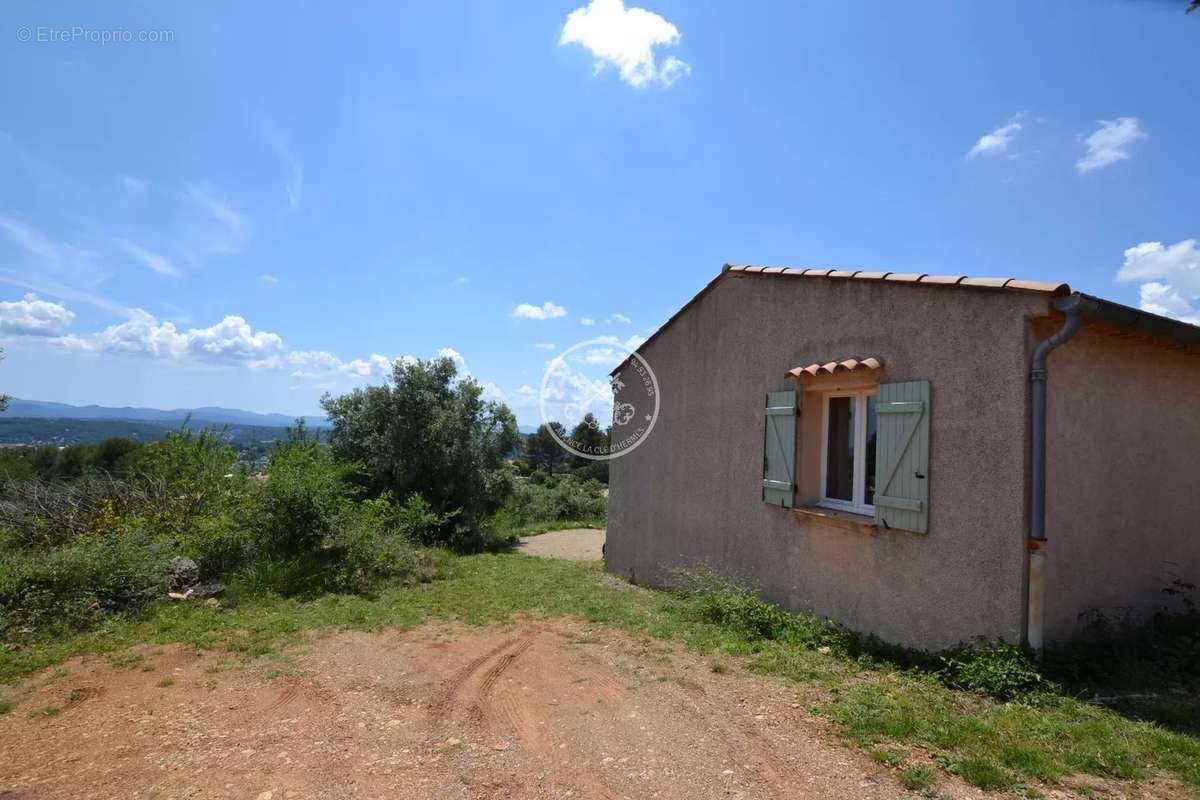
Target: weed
(918,777)
(889,758)
(166,683)
(5,706)
(46,711)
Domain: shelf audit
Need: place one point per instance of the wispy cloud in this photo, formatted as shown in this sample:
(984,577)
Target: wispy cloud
(1169,276)
(1109,143)
(544,345)
(50,266)
(270,280)
(135,186)
(587,321)
(217,228)
(154,261)
(545,311)
(625,38)
(998,140)
(621,318)
(275,139)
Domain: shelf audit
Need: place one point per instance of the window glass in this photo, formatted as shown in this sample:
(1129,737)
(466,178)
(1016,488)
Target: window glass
(869,477)
(839,463)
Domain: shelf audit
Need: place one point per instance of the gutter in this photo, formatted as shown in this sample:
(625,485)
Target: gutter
(1072,306)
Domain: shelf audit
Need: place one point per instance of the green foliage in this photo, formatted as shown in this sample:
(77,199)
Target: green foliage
(918,777)
(428,433)
(543,453)
(380,541)
(544,498)
(71,588)
(995,668)
(741,612)
(112,455)
(298,506)
(190,475)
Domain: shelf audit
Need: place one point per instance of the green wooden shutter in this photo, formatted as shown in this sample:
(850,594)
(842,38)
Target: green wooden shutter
(779,449)
(902,456)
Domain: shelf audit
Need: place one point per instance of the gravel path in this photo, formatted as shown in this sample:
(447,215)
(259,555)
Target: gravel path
(579,544)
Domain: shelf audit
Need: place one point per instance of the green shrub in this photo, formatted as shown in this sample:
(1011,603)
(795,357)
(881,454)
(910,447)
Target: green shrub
(545,498)
(995,668)
(186,476)
(298,506)
(72,587)
(379,540)
(743,613)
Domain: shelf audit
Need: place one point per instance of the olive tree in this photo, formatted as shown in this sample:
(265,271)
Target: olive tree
(427,432)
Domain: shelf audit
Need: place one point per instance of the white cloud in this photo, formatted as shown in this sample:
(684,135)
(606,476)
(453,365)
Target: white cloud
(32,316)
(1110,143)
(546,310)
(462,280)
(621,318)
(154,261)
(230,341)
(270,280)
(453,355)
(544,345)
(998,140)
(588,321)
(625,38)
(1169,276)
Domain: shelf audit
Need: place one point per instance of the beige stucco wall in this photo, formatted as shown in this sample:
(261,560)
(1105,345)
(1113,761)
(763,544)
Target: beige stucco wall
(691,493)
(1122,505)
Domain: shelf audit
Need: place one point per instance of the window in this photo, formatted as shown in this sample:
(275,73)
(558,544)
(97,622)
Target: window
(849,427)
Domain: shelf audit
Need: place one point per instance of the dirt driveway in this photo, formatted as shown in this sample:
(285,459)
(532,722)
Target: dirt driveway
(540,709)
(577,544)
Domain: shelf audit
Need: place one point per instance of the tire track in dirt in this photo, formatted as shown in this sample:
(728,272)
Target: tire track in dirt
(439,706)
(478,709)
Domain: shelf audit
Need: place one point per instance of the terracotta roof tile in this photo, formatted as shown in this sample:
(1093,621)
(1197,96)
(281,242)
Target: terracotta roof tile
(848,364)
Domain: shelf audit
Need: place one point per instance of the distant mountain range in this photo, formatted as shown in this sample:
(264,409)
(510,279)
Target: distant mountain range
(39,409)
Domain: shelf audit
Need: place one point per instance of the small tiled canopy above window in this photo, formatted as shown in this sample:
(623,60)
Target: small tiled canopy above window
(829,368)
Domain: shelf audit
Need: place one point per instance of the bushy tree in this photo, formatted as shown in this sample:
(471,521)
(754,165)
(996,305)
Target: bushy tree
(542,450)
(427,432)
(298,506)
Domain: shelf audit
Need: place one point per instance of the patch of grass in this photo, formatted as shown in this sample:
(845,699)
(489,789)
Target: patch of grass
(984,773)
(47,711)
(5,706)
(166,683)
(990,743)
(126,660)
(918,777)
(889,758)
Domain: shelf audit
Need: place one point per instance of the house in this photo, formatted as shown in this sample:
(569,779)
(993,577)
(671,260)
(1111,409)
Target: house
(925,458)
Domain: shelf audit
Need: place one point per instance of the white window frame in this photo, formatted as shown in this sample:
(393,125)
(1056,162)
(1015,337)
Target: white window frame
(859,503)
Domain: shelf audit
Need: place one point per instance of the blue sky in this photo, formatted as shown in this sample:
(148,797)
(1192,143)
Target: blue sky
(250,204)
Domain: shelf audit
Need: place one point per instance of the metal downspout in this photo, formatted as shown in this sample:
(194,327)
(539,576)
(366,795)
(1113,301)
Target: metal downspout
(1037,493)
